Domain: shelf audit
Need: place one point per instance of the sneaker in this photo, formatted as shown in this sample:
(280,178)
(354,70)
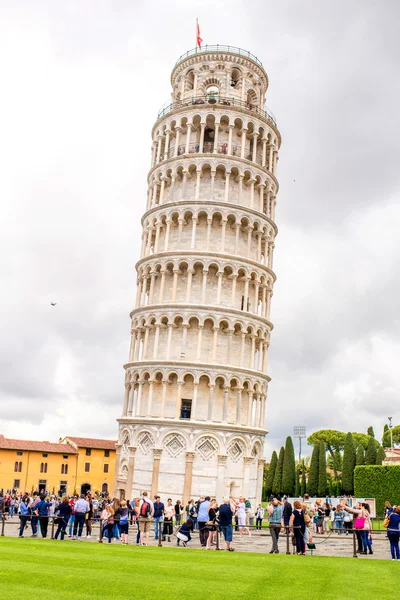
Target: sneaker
(79,538)
(73,537)
(88,537)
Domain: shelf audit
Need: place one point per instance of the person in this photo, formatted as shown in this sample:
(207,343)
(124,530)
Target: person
(110,521)
(184,533)
(212,529)
(338,517)
(388,510)
(249,513)
(23,514)
(393,532)
(327,515)
(241,514)
(259,516)
(116,504)
(158,515)
(348,522)
(320,512)
(298,525)
(124,522)
(33,502)
(192,513)
(225,516)
(42,511)
(89,517)
(178,512)
(146,513)
(276,521)
(362,524)
(63,514)
(71,521)
(287,511)
(169,512)
(81,508)
(202,518)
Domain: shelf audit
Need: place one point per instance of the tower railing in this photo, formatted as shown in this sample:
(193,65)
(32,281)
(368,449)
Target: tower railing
(219,48)
(217,99)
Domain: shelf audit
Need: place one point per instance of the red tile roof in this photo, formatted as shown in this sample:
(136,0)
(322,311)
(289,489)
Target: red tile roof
(9,444)
(95,443)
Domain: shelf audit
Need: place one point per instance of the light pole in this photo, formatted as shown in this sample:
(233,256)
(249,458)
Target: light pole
(391,432)
(299,431)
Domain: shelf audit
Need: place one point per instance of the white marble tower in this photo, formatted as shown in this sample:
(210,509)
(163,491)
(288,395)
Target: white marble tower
(193,419)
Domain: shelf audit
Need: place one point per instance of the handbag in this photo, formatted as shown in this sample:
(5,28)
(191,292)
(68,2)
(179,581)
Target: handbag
(386,522)
(359,523)
(182,536)
(306,519)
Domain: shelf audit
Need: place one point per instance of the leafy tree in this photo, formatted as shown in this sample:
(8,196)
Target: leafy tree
(381,455)
(277,483)
(349,462)
(313,474)
(360,457)
(271,473)
(370,453)
(370,431)
(303,479)
(333,440)
(363,439)
(386,436)
(289,469)
(322,477)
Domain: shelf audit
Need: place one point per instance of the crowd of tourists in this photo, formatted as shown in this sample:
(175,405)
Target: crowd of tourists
(74,517)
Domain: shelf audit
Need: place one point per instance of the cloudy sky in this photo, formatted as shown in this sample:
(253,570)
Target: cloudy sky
(82,82)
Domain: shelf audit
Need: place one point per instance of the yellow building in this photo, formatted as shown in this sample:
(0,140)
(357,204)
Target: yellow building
(74,465)
(95,463)
(26,465)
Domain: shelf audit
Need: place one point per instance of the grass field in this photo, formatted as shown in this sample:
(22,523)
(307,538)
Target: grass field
(85,571)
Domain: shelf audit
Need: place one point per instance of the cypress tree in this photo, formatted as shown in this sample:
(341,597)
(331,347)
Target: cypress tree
(349,462)
(271,473)
(360,457)
(313,473)
(322,476)
(380,455)
(385,429)
(337,464)
(303,479)
(370,431)
(277,483)
(289,469)
(370,453)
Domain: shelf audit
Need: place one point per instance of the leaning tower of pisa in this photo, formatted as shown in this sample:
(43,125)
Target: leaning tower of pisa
(193,419)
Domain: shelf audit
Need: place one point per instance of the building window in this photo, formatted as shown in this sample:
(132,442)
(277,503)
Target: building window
(63,487)
(105,468)
(88,452)
(17,484)
(87,467)
(64,469)
(65,456)
(106,453)
(17,467)
(42,485)
(45,455)
(186,409)
(19,453)
(43,467)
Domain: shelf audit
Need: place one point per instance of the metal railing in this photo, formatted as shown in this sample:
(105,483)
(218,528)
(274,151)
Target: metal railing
(208,147)
(219,48)
(214,99)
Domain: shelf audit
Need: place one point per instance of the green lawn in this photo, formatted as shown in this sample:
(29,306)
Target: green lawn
(84,571)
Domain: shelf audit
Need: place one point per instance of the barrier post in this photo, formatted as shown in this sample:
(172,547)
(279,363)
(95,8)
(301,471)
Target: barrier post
(2,523)
(52,529)
(159,525)
(287,540)
(354,544)
(217,530)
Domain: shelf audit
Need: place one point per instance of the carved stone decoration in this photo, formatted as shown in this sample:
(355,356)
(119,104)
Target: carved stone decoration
(146,442)
(236,450)
(206,447)
(174,444)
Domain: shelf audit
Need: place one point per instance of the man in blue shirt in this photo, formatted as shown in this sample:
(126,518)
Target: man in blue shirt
(275,511)
(158,515)
(81,508)
(42,510)
(225,516)
(202,519)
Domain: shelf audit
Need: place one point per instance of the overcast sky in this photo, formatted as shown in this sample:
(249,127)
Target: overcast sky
(81,85)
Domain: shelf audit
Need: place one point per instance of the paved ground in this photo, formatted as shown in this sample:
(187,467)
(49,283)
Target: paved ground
(327,545)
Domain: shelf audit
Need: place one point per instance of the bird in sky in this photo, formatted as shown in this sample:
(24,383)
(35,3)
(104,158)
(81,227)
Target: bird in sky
(53,303)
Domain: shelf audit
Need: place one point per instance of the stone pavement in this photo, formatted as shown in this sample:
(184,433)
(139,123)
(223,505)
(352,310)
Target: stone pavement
(330,544)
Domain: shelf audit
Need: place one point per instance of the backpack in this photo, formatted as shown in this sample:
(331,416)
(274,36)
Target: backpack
(145,509)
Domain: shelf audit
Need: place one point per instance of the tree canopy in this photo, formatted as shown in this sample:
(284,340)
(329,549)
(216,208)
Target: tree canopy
(386,436)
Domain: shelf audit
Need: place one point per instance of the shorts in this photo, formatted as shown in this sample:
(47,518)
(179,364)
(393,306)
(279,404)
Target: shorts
(123,528)
(227,531)
(144,524)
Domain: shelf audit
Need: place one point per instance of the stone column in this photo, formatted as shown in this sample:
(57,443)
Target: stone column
(240,192)
(188,134)
(130,399)
(197,192)
(216,138)
(238,405)
(159,140)
(156,340)
(249,409)
(174,284)
(178,130)
(222,458)
(219,286)
(201,144)
(226,196)
(209,221)
(169,339)
(185,327)
(150,398)
(162,286)
(231,128)
(223,234)
(243,148)
(178,400)
(189,285)
(215,344)
(131,470)
(246,475)
(204,287)
(163,397)
(157,452)
(126,399)
(199,336)
(210,402)
(212,186)
(193,240)
(229,348)
(166,149)
(264,152)
(187,484)
(117,467)
(167,236)
(225,406)
(254,155)
(260,477)
(194,401)
(146,340)
(139,399)
(233,296)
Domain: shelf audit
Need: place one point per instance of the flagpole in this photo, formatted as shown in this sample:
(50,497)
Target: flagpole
(197,29)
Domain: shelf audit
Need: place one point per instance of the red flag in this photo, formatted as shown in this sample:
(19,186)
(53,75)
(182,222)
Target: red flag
(199,40)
